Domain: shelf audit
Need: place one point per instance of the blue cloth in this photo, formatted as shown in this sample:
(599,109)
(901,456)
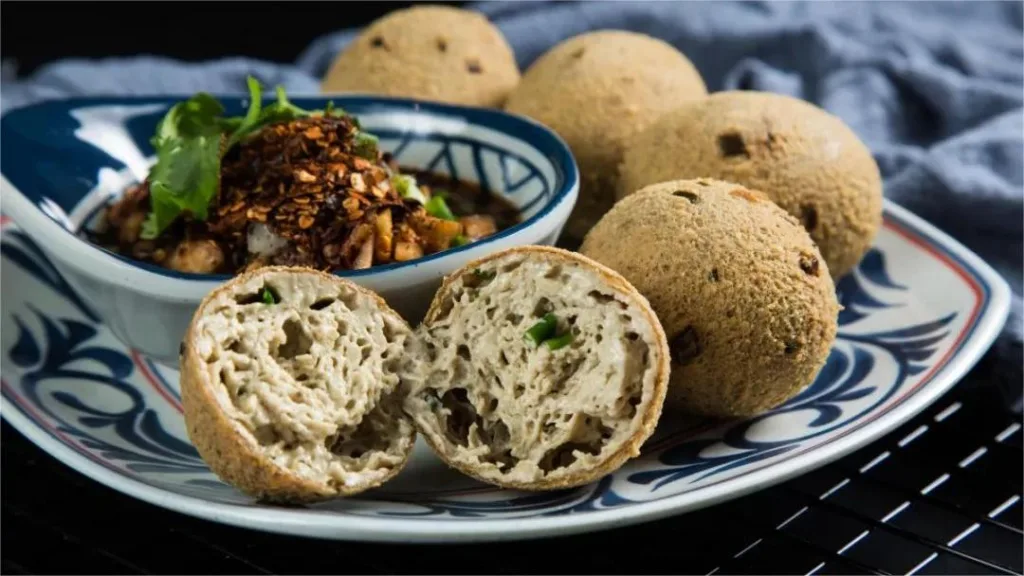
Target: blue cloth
(935,89)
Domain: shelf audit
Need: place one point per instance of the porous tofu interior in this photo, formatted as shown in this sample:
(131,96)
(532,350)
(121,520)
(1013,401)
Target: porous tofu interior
(513,410)
(310,377)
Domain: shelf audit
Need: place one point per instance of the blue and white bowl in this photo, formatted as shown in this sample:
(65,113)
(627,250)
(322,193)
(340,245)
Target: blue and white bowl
(63,161)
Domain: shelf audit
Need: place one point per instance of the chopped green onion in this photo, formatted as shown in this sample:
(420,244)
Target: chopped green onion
(484,274)
(558,341)
(542,330)
(268,297)
(366,145)
(460,240)
(407,188)
(438,208)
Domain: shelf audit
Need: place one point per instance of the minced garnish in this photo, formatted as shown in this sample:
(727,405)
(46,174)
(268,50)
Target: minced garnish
(558,341)
(366,145)
(407,188)
(542,330)
(268,297)
(438,208)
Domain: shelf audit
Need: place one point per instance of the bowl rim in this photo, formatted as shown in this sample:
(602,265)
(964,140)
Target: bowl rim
(144,277)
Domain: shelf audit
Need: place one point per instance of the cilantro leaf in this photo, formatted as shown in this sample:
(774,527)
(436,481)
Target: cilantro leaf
(248,124)
(187,170)
(194,136)
(184,179)
(193,117)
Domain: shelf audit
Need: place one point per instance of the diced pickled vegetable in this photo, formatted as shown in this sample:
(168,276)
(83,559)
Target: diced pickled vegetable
(405,251)
(365,257)
(478,226)
(437,234)
(383,229)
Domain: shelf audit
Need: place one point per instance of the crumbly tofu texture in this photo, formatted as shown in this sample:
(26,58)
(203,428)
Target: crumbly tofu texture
(492,401)
(309,379)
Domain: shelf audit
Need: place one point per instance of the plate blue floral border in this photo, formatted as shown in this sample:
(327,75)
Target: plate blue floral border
(914,305)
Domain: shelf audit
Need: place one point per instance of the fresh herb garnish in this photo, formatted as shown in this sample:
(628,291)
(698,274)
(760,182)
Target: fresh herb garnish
(407,188)
(366,145)
(558,341)
(187,170)
(542,330)
(190,142)
(268,297)
(460,240)
(438,208)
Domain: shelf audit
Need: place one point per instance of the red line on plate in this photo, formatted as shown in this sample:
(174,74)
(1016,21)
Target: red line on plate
(928,375)
(26,406)
(971,282)
(141,365)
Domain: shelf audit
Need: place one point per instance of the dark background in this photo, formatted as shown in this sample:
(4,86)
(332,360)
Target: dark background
(36,33)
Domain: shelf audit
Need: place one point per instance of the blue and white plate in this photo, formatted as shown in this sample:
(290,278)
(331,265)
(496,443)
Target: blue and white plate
(919,312)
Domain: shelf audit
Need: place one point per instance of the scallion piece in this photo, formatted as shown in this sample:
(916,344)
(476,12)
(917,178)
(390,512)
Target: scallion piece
(558,341)
(438,208)
(407,188)
(460,240)
(542,330)
(268,297)
(366,145)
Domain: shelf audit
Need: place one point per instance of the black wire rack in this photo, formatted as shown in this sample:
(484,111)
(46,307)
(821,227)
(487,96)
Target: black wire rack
(942,495)
(939,495)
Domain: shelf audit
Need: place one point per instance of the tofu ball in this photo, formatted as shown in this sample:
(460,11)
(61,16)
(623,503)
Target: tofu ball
(746,301)
(806,160)
(596,90)
(436,53)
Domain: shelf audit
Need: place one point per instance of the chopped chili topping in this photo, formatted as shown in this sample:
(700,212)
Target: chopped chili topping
(298,188)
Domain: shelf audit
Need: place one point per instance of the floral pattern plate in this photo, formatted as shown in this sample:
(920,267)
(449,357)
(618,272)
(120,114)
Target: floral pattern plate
(919,312)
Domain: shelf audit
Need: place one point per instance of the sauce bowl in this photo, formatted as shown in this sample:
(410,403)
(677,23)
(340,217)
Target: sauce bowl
(63,161)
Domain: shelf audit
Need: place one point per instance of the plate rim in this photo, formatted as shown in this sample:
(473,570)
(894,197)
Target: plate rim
(331,526)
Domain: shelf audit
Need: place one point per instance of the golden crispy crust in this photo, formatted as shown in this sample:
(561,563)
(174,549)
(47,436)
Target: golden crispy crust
(597,90)
(429,52)
(739,286)
(229,450)
(806,160)
(630,448)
